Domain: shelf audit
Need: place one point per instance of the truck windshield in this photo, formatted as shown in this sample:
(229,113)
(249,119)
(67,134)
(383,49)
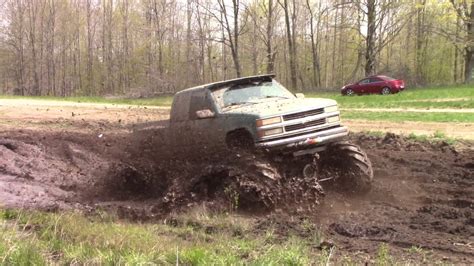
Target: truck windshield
(250,93)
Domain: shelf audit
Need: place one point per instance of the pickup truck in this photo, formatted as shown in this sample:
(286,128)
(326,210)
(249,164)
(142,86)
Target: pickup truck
(257,112)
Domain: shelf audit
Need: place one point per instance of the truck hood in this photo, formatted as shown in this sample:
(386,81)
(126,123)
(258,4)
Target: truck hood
(282,106)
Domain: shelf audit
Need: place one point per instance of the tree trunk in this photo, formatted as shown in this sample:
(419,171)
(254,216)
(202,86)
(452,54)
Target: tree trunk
(316,81)
(32,9)
(469,50)
(370,41)
(235,50)
(270,53)
(289,38)
(90,74)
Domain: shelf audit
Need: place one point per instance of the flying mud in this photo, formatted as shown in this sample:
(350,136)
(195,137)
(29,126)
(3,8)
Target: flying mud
(421,196)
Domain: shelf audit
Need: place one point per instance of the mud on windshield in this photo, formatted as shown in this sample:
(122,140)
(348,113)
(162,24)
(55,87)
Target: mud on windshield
(250,93)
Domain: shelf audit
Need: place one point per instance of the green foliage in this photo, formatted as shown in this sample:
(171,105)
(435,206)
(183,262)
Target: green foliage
(409,116)
(233,197)
(439,135)
(36,238)
(420,252)
(71,238)
(21,253)
(383,255)
(416,137)
(8,214)
(436,137)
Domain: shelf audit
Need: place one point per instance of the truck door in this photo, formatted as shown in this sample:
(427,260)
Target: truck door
(180,125)
(206,131)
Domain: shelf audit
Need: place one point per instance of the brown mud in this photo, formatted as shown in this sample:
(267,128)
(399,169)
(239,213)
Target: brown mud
(422,196)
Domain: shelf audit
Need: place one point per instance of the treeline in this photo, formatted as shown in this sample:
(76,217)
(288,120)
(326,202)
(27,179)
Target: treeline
(143,47)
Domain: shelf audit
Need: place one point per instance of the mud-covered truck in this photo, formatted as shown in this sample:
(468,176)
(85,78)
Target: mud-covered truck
(258,113)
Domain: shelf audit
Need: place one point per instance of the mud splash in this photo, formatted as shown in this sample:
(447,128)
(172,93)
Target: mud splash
(422,194)
(111,171)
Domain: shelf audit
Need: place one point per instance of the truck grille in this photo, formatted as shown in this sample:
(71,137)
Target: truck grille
(303,114)
(305,125)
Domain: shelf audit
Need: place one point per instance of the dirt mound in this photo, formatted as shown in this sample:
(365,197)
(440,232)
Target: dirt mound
(46,171)
(138,173)
(422,195)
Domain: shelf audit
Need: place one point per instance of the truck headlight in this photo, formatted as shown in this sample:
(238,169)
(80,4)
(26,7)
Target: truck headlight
(330,109)
(268,121)
(332,119)
(269,132)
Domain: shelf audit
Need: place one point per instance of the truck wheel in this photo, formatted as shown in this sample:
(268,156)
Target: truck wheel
(352,168)
(239,139)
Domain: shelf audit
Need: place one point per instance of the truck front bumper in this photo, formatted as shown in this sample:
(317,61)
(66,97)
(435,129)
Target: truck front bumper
(309,139)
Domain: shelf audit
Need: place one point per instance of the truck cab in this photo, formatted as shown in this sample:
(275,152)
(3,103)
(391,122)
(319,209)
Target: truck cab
(255,112)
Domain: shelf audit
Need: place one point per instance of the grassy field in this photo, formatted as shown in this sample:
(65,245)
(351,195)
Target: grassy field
(454,97)
(439,97)
(409,116)
(35,238)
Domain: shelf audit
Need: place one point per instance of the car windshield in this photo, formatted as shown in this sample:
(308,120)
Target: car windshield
(250,93)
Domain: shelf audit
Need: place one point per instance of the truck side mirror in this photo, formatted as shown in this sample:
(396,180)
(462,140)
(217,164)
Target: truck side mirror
(299,95)
(206,113)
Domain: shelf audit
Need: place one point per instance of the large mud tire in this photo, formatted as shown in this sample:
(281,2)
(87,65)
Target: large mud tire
(350,165)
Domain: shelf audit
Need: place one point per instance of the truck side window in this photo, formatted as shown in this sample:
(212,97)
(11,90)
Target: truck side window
(200,100)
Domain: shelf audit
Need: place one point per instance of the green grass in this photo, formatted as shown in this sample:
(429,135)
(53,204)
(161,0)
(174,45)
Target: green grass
(435,137)
(409,116)
(458,96)
(69,238)
(37,238)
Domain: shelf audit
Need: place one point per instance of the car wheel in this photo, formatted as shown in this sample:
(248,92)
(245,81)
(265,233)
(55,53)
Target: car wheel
(386,90)
(349,92)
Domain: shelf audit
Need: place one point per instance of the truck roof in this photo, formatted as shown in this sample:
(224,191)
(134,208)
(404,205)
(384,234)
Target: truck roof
(219,84)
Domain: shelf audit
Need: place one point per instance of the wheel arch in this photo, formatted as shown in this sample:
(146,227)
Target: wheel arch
(240,135)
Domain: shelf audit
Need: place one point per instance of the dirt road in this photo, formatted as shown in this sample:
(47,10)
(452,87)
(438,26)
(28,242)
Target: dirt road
(423,195)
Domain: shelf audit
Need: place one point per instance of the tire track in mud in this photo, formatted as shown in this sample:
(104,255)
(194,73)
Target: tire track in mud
(423,197)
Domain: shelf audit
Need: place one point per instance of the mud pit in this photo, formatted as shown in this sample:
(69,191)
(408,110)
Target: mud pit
(422,195)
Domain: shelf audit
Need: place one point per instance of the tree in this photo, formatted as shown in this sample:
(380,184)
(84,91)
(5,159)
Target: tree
(290,39)
(465,11)
(315,40)
(379,30)
(86,47)
(230,23)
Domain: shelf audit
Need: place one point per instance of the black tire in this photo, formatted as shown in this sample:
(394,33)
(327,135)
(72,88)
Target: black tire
(240,140)
(352,168)
(386,91)
(350,92)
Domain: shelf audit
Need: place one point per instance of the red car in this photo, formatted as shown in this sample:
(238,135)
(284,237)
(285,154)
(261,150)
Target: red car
(374,84)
